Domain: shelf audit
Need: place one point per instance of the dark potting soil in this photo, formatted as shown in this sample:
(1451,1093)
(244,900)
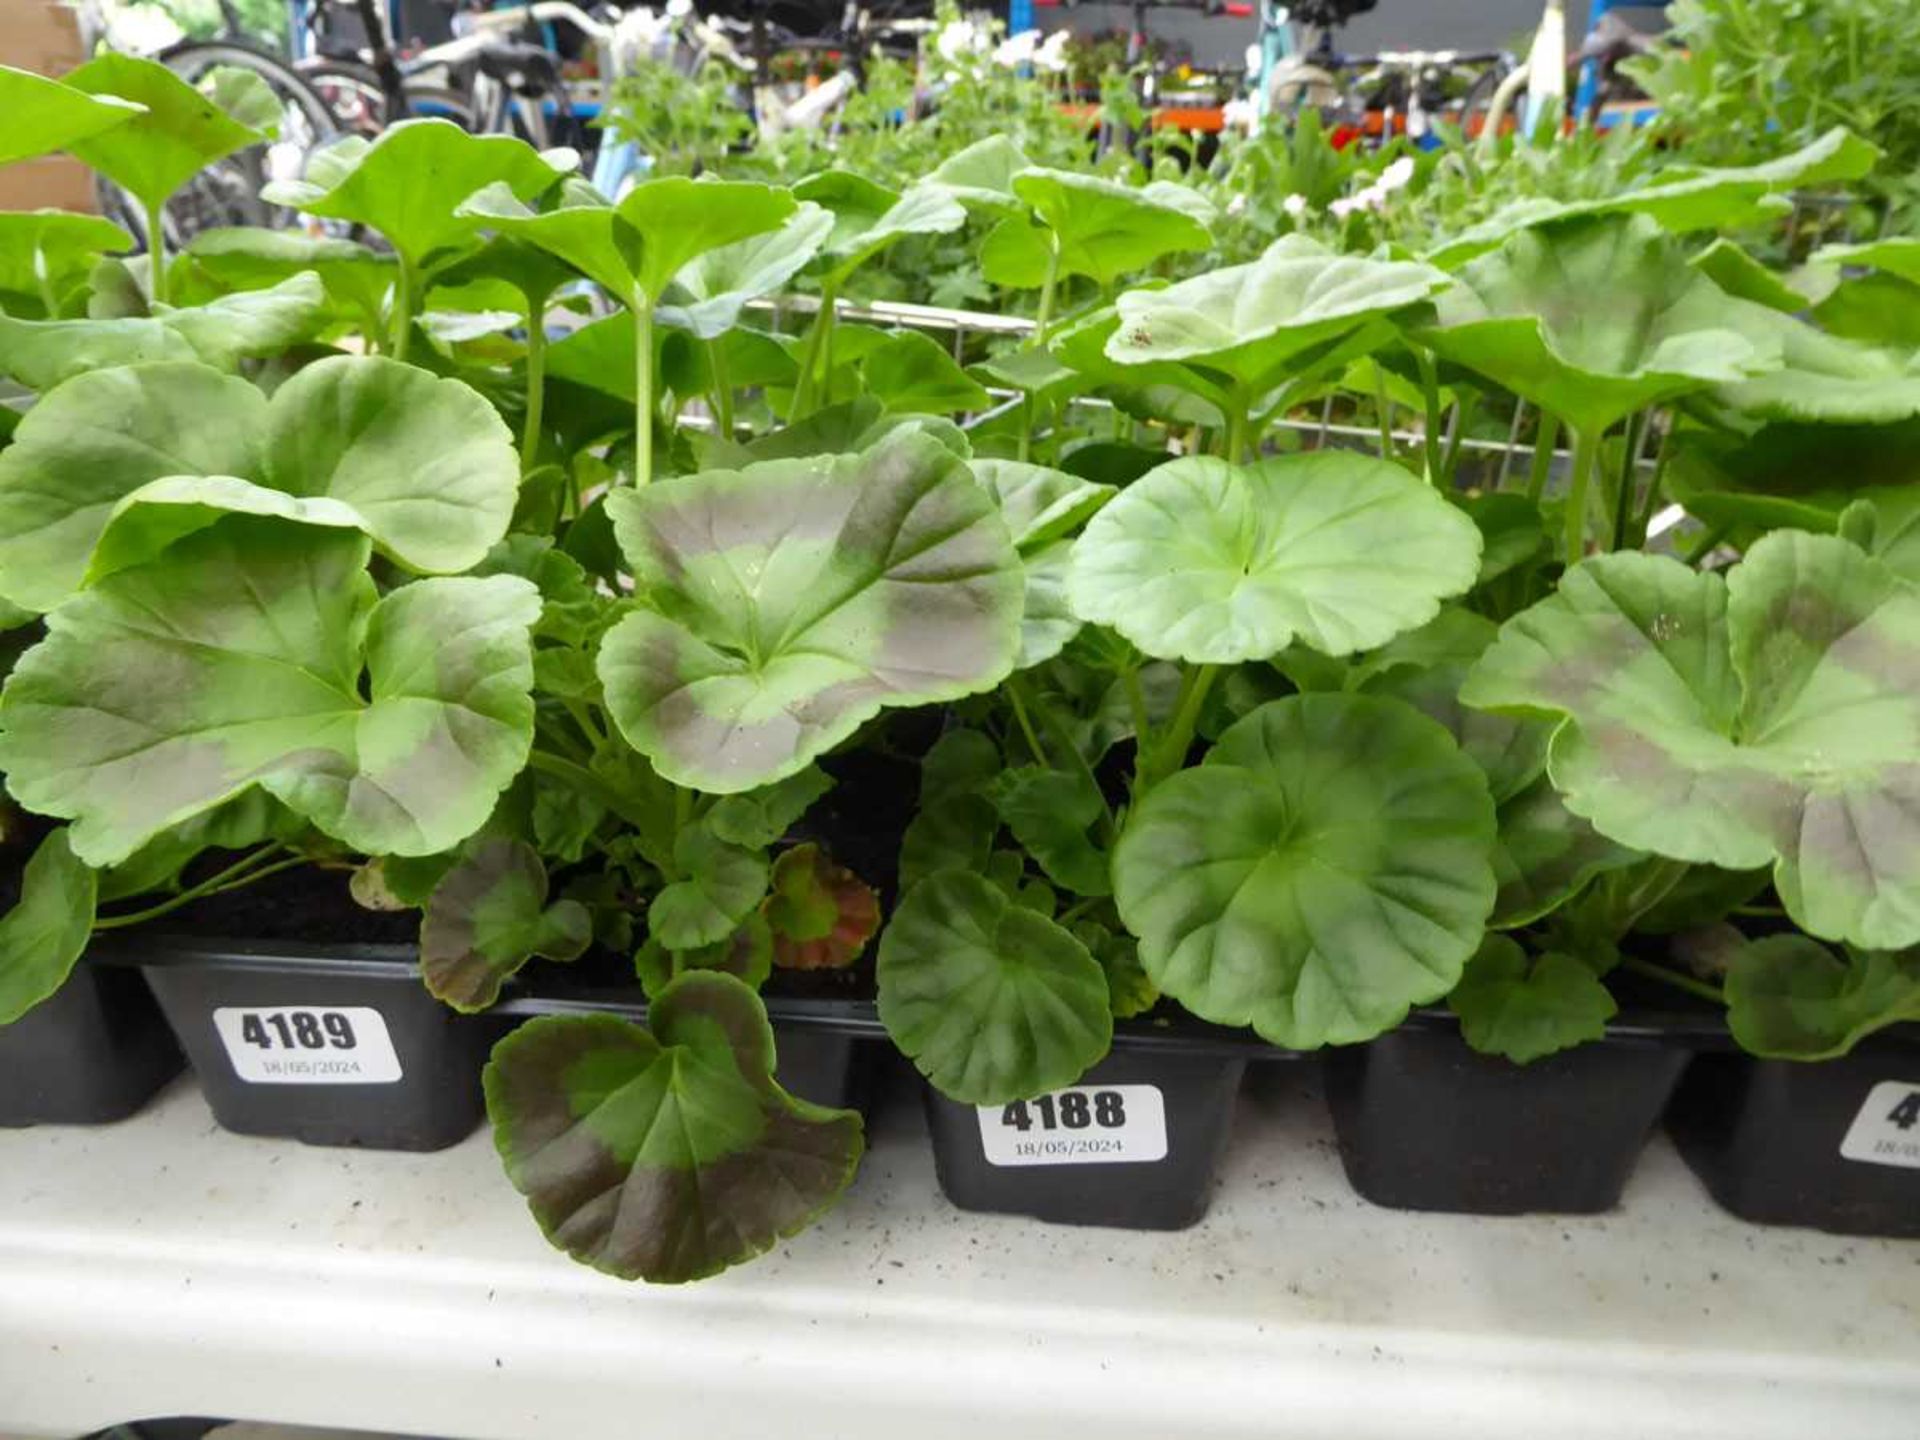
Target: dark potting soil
(305,904)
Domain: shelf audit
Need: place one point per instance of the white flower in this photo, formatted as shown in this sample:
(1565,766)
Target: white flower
(1295,206)
(960,39)
(1239,114)
(1237,205)
(1017,50)
(1396,175)
(1342,208)
(1052,56)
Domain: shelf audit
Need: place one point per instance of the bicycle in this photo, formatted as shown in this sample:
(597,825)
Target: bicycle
(228,192)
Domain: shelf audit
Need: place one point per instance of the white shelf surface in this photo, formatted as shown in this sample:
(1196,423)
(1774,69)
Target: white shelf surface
(162,1267)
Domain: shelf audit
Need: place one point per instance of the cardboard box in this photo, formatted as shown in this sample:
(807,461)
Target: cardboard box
(43,36)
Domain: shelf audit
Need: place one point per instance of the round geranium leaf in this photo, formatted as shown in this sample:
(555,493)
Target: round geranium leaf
(1105,229)
(427,463)
(487,917)
(1790,998)
(50,252)
(1524,317)
(780,606)
(156,152)
(665,1154)
(708,295)
(821,913)
(44,933)
(719,886)
(992,1001)
(407,183)
(44,115)
(1524,1008)
(98,438)
(1324,871)
(1040,505)
(1250,322)
(1218,564)
(254,653)
(1778,701)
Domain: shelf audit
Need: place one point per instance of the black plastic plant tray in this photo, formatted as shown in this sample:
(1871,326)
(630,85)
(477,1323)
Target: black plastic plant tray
(1834,1145)
(1135,1144)
(94,1052)
(1426,1123)
(331,1045)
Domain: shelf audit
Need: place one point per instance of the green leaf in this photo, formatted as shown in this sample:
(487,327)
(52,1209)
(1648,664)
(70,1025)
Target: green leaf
(1828,380)
(98,438)
(42,937)
(953,828)
(1775,702)
(407,183)
(1527,1009)
(1523,316)
(242,258)
(982,174)
(666,1154)
(710,294)
(241,654)
(1047,621)
(1738,273)
(722,885)
(1790,998)
(43,353)
(747,955)
(1546,855)
(913,372)
(44,115)
(1325,870)
(487,917)
(1253,322)
(868,217)
(1218,564)
(1130,989)
(1040,505)
(820,913)
(181,132)
(779,607)
(1050,813)
(760,817)
(990,1000)
(129,460)
(52,245)
(1104,229)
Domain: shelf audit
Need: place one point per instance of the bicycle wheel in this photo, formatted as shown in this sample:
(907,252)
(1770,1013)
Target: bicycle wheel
(228,193)
(359,104)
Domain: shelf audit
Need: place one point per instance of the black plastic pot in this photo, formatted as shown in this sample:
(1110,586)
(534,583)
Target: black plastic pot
(1426,1123)
(1834,1145)
(1135,1144)
(329,1045)
(93,1052)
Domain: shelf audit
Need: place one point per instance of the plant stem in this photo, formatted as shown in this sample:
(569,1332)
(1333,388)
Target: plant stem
(536,386)
(1045,316)
(586,782)
(810,357)
(1238,423)
(1137,703)
(1654,485)
(682,809)
(1056,729)
(1712,537)
(1586,455)
(156,253)
(1171,753)
(247,867)
(1629,469)
(1698,988)
(1544,442)
(642,388)
(1430,389)
(722,387)
(1382,411)
(1020,716)
(402,317)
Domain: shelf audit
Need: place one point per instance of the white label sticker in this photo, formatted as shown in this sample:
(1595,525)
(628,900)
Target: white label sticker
(1081,1125)
(306,1045)
(1887,1129)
